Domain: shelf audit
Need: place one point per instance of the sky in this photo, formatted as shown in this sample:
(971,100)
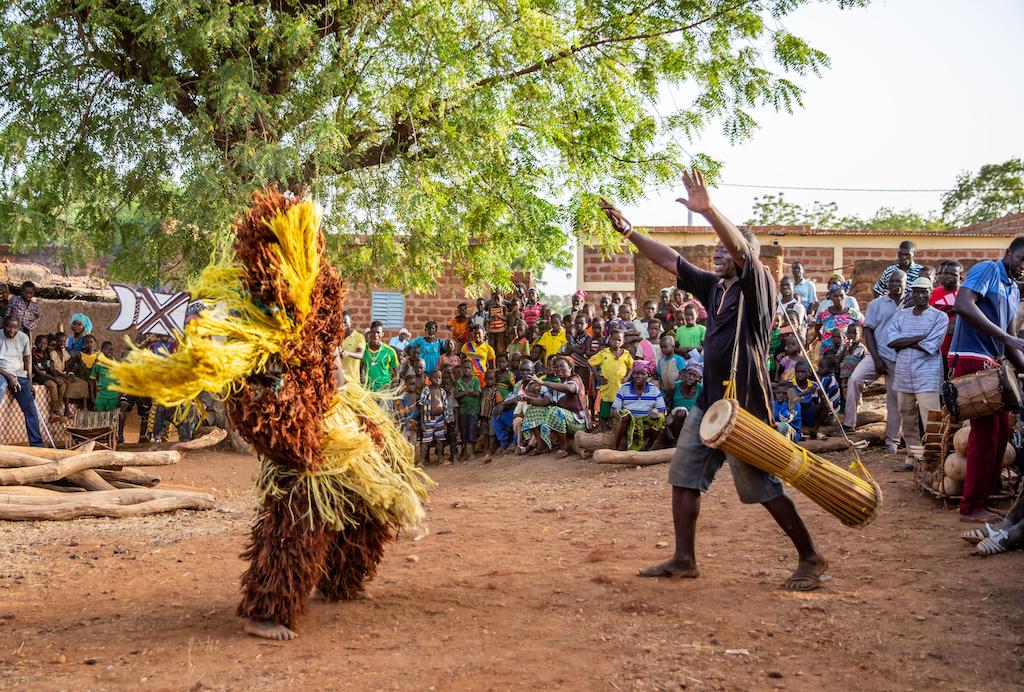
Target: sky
(917,92)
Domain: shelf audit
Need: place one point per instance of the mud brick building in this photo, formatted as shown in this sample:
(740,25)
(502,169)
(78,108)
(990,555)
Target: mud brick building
(860,255)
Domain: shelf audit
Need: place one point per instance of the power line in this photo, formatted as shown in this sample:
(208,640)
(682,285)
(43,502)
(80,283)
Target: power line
(835,189)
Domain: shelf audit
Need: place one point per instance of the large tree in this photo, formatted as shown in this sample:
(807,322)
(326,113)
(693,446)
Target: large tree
(997,189)
(468,132)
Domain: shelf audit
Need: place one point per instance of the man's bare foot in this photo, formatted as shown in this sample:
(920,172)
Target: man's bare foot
(268,630)
(807,576)
(671,569)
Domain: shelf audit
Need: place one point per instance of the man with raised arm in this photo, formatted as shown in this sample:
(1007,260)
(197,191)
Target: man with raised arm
(738,271)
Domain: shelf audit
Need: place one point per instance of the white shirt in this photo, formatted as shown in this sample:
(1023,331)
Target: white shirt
(13,352)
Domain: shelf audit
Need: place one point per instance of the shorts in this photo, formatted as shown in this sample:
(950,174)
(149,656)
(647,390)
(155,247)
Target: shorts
(434,429)
(694,466)
(606,410)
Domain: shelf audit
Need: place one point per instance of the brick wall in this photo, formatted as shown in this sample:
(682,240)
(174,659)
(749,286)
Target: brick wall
(818,261)
(649,278)
(615,267)
(440,305)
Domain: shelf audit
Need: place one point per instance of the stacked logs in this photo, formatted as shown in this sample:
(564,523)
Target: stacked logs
(59,484)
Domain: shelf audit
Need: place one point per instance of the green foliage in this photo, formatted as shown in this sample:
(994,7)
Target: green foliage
(776,210)
(996,190)
(434,133)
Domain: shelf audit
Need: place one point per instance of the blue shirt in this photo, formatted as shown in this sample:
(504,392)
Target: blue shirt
(430,352)
(998,299)
(642,404)
(804,291)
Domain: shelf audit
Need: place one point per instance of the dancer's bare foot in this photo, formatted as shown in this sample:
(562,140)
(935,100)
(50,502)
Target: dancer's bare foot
(671,569)
(268,630)
(807,576)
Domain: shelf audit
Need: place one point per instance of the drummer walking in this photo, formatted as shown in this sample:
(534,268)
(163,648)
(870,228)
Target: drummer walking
(738,271)
(986,304)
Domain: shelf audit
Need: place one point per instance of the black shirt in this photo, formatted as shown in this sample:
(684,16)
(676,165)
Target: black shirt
(753,387)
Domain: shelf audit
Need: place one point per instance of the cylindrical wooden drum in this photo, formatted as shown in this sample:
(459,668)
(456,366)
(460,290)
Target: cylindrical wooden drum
(851,499)
(982,393)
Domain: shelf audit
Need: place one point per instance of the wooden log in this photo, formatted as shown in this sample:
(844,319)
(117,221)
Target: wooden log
(125,485)
(85,506)
(614,456)
(41,452)
(592,441)
(872,434)
(54,487)
(17,460)
(868,417)
(88,479)
(127,475)
(36,490)
(117,497)
(59,469)
(210,439)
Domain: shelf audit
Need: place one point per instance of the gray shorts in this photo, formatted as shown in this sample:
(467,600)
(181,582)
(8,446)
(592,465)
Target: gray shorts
(694,466)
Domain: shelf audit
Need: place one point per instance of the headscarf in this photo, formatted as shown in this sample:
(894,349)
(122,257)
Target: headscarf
(86,322)
(580,294)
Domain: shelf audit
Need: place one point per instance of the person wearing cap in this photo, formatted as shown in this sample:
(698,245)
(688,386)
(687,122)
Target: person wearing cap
(916,335)
(81,327)
(400,341)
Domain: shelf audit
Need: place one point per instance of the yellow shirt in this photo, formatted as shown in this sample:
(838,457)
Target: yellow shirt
(552,344)
(350,366)
(613,371)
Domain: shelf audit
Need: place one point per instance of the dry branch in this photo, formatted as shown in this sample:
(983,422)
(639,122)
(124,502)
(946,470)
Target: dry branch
(592,441)
(126,475)
(85,506)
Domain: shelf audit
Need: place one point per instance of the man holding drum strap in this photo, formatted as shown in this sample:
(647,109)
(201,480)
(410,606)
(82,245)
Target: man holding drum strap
(986,304)
(738,271)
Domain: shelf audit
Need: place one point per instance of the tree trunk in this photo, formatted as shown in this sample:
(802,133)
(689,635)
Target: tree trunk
(651,458)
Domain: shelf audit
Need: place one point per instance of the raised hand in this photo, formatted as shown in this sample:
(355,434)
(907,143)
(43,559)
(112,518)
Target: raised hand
(698,201)
(619,222)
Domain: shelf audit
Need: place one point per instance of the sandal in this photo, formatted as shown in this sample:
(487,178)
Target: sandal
(994,544)
(976,536)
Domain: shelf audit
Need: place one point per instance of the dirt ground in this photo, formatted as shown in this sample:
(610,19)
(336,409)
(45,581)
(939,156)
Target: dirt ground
(526,581)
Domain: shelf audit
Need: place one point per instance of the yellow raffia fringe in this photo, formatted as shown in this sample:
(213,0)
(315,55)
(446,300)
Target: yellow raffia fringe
(236,337)
(357,477)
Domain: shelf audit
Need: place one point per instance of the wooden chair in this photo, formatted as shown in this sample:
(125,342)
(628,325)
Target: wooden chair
(94,426)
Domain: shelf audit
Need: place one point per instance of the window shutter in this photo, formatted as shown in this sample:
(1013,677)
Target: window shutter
(389,308)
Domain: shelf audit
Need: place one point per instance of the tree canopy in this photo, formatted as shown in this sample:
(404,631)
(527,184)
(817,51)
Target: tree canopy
(466,133)
(997,189)
(776,210)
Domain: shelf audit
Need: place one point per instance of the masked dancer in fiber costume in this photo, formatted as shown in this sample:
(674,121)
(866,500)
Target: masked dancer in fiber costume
(336,476)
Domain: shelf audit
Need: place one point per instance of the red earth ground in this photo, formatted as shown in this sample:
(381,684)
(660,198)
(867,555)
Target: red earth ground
(525,581)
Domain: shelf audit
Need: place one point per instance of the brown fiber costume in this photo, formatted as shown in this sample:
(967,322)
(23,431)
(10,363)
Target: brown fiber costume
(281,413)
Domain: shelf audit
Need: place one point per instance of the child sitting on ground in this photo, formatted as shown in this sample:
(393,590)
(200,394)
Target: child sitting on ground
(831,393)
(809,397)
(43,373)
(786,411)
(531,388)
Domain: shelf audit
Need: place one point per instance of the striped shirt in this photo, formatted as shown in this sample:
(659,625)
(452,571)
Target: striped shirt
(639,404)
(881,286)
(919,369)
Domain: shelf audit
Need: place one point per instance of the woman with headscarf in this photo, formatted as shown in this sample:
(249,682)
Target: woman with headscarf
(835,318)
(553,418)
(850,301)
(81,327)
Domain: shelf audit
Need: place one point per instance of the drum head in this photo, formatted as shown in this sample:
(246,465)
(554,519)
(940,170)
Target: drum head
(1011,392)
(718,422)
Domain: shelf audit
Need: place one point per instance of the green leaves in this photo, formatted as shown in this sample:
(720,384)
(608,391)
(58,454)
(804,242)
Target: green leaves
(464,134)
(997,189)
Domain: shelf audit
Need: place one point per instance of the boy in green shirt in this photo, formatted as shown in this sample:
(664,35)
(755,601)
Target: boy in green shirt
(689,334)
(467,393)
(380,361)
